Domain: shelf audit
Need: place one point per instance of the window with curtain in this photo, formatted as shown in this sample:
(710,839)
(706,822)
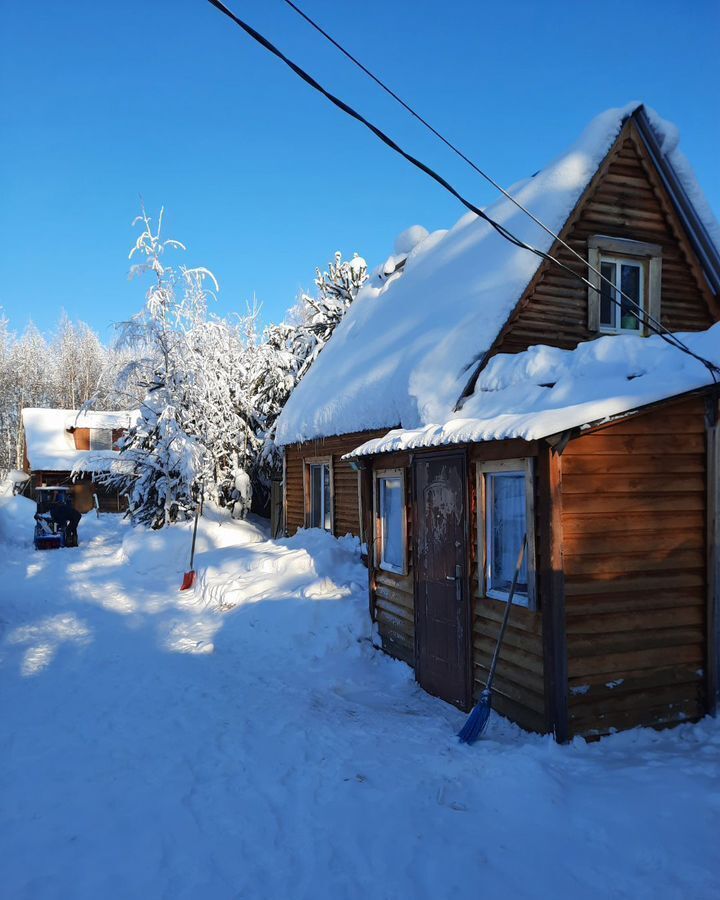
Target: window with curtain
(505,512)
(390,521)
(320,512)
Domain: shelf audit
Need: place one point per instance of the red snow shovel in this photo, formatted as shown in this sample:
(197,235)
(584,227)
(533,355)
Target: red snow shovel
(189,577)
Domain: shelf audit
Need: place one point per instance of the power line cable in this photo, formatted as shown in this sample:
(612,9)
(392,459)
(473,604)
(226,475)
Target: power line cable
(650,320)
(638,312)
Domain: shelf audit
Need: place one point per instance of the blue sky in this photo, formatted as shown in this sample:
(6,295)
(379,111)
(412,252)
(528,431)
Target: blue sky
(261,178)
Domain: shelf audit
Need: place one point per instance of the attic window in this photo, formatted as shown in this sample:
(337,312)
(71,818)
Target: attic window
(101,439)
(626,279)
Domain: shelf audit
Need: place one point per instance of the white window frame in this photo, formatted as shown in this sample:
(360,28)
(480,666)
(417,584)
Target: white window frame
(361,512)
(622,250)
(504,467)
(379,537)
(308,464)
(618,262)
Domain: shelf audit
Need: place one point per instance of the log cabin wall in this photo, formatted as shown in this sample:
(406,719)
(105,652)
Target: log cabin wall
(82,438)
(346,507)
(392,596)
(634,532)
(624,200)
(519,686)
(83,489)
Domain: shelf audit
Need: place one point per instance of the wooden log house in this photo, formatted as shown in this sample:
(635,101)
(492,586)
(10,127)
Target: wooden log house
(56,440)
(614,481)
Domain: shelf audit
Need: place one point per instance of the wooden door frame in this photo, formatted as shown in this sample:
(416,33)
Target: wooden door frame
(430,455)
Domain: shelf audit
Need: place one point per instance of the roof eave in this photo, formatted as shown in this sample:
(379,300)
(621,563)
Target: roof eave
(701,241)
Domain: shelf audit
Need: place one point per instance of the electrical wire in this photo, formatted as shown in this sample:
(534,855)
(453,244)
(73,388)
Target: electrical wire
(638,312)
(650,320)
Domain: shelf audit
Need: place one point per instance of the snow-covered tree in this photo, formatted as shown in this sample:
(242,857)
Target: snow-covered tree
(196,428)
(162,462)
(77,359)
(289,349)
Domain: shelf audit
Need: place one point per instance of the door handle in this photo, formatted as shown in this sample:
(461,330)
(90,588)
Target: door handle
(457,578)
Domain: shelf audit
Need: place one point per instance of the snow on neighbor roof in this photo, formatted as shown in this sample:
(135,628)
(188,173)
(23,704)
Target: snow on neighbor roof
(91,418)
(545,390)
(50,447)
(403,353)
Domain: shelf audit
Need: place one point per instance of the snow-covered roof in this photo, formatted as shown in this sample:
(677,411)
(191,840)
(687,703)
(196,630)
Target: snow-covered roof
(405,350)
(91,418)
(544,390)
(50,446)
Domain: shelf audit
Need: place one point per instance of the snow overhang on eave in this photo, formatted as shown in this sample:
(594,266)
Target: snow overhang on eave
(557,439)
(701,241)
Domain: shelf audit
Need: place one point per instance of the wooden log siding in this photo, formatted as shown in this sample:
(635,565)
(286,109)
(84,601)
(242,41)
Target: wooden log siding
(627,200)
(634,530)
(346,508)
(519,687)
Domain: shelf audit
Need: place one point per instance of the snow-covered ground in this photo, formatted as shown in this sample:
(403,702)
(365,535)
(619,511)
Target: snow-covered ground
(246,740)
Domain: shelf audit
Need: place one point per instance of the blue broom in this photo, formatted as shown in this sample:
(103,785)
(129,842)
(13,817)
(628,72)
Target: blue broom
(478,718)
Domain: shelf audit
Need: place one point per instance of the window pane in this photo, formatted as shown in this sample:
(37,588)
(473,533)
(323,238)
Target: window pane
(607,307)
(391,514)
(630,285)
(315,496)
(507,525)
(100,439)
(327,507)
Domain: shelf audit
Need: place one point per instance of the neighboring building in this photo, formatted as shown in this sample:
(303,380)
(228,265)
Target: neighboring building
(604,451)
(56,441)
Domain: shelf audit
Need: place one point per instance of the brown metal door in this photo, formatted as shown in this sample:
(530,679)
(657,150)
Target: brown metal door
(442,609)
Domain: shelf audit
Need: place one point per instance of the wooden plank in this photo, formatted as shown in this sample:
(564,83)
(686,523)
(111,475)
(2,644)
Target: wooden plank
(516,712)
(605,464)
(644,679)
(651,542)
(608,442)
(618,483)
(531,643)
(635,660)
(499,450)
(635,600)
(641,503)
(520,617)
(395,581)
(398,610)
(598,623)
(398,648)
(656,717)
(519,675)
(552,592)
(523,659)
(713,554)
(603,567)
(582,586)
(522,694)
(583,645)
(392,625)
(595,704)
(401,598)
(584,524)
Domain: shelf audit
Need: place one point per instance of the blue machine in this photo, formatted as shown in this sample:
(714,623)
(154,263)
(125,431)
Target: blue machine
(51,534)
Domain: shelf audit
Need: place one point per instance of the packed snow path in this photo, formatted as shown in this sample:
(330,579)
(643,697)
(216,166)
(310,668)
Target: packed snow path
(156,744)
